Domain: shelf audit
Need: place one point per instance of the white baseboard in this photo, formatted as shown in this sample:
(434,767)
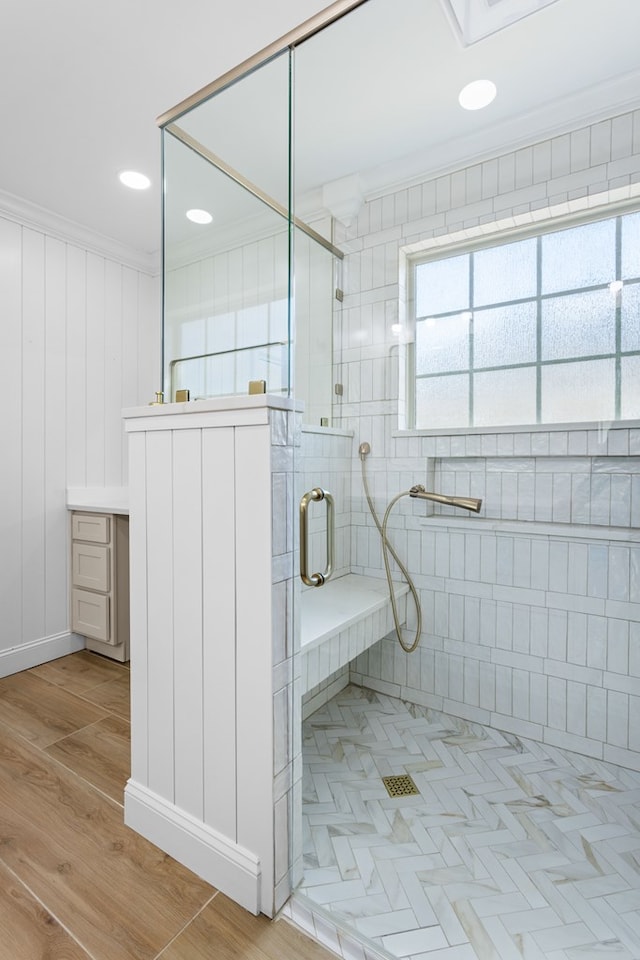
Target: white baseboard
(230,868)
(35,652)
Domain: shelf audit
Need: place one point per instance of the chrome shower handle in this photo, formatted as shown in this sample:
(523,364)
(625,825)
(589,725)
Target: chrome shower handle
(317,494)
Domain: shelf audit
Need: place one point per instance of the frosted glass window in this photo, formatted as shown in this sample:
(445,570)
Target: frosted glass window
(535,326)
(442,402)
(505,273)
(581,257)
(505,335)
(504,397)
(631,246)
(630,314)
(572,392)
(581,324)
(630,388)
(442,286)
(442,344)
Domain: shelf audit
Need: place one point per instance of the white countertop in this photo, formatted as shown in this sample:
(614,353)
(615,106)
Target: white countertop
(98,499)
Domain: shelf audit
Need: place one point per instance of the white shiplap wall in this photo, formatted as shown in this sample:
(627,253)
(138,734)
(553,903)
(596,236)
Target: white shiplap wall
(79,340)
(216,772)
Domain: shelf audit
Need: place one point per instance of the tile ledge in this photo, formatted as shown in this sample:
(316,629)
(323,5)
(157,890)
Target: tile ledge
(535,528)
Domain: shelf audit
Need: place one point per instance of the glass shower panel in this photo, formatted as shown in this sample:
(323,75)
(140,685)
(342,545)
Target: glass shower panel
(314,273)
(227,257)
(246,127)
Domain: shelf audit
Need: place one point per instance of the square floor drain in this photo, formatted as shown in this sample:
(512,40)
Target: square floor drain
(402,786)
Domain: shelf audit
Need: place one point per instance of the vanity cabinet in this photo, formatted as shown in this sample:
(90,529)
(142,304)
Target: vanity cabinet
(100,582)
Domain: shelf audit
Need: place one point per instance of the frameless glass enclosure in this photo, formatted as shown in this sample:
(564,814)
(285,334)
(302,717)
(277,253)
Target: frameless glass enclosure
(340,252)
(227,242)
(242,278)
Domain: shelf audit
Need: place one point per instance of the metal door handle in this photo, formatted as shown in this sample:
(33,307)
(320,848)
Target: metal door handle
(317,494)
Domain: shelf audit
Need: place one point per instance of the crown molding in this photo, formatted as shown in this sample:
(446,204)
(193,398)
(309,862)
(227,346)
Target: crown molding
(583,110)
(578,112)
(54,225)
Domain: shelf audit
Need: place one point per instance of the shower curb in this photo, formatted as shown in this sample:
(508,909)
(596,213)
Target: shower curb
(322,926)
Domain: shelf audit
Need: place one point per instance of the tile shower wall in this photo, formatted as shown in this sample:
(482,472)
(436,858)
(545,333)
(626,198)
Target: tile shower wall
(327,462)
(532,610)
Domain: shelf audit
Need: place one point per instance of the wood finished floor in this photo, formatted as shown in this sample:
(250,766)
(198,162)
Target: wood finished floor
(75,883)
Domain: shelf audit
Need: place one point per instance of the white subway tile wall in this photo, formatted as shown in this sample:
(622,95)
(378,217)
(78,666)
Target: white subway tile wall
(531,611)
(326,462)
(287,690)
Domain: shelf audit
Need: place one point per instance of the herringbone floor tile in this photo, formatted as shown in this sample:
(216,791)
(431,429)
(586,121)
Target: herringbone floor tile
(511,851)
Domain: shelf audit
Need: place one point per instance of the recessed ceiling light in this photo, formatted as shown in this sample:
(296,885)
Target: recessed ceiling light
(135,180)
(477,94)
(199,216)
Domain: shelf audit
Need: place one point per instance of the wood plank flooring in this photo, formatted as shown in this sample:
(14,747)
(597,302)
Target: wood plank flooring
(75,883)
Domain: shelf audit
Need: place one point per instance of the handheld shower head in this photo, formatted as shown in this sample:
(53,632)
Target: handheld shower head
(468,503)
(364,450)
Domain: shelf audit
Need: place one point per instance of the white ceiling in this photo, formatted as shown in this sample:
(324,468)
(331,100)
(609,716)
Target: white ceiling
(83,80)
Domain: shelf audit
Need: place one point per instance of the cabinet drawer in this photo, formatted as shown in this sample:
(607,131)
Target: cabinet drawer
(90,526)
(91,566)
(90,615)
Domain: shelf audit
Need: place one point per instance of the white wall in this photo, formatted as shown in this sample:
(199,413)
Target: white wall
(79,340)
(531,611)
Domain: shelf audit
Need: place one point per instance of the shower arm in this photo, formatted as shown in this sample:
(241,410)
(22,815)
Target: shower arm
(467,503)
(417,492)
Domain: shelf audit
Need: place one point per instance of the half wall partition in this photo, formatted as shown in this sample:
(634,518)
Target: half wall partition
(251,300)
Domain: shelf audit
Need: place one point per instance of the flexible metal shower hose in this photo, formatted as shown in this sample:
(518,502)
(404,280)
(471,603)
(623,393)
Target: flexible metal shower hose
(387,548)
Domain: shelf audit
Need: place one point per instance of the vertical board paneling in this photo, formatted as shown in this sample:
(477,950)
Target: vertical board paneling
(76,366)
(113,428)
(33,439)
(219,653)
(95,360)
(130,353)
(253,626)
(149,338)
(160,613)
(67,368)
(187,619)
(56,521)
(11,437)
(138,607)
